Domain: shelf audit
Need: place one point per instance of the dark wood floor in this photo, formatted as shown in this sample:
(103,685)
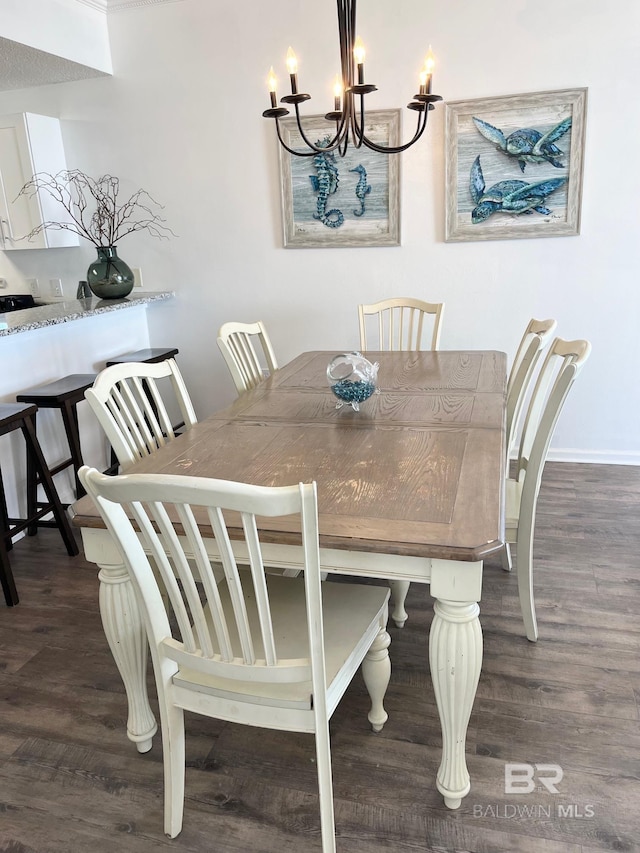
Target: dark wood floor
(71,781)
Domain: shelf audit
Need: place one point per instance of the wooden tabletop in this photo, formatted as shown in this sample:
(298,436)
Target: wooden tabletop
(419,471)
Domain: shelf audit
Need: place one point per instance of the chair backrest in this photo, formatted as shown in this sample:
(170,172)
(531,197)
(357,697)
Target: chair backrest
(221,628)
(563,362)
(132,411)
(400,324)
(536,337)
(246,363)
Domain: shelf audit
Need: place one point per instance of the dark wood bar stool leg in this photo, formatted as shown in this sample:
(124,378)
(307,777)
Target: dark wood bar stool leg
(69,414)
(54,504)
(32,489)
(6,575)
(4,514)
(6,579)
(22,417)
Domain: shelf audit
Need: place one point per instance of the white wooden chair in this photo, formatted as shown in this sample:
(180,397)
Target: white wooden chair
(537,336)
(262,651)
(129,405)
(247,364)
(400,324)
(562,364)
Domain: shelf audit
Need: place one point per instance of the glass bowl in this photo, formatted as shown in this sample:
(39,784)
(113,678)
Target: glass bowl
(352,379)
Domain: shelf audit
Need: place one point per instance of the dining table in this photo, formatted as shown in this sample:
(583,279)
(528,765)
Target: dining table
(410,490)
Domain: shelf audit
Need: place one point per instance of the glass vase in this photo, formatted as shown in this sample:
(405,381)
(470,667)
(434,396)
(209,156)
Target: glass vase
(109,276)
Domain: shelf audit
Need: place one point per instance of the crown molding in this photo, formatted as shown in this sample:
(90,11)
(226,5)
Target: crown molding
(120,5)
(100,5)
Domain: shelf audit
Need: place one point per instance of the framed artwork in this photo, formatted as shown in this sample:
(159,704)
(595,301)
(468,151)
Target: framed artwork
(330,201)
(514,166)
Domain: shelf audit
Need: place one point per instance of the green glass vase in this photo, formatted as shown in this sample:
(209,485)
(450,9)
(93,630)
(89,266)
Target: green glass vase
(109,276)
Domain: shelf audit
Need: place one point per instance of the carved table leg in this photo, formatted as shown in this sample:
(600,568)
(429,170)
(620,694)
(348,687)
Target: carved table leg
(455,657)
(399,590)
(127,640)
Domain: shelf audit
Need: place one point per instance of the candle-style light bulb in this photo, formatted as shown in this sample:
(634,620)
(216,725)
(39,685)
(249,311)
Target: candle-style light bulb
(359,54)
(429,64)
(337,93)
(292,68)
(423,82)
(271,83)
(292,62)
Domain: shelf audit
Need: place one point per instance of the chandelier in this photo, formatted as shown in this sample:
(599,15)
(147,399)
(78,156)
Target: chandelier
(349,93)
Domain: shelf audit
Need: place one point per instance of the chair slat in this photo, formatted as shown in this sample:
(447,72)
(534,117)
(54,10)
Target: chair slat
(159,555)
(234,585)
(260,588)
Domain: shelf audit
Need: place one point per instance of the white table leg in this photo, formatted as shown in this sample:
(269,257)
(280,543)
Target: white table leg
(455,657)
(127,640)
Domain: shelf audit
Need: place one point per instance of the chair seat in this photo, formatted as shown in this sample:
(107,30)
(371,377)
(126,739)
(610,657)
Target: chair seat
(153,355)
(10,413)
(345,627)
(52,394)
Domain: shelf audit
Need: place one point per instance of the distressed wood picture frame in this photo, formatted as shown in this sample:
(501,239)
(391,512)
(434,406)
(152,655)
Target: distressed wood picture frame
(332,202)
(514,166)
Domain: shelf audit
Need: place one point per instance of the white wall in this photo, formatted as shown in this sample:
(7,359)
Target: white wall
(182,118)
(65,28)
(33,358)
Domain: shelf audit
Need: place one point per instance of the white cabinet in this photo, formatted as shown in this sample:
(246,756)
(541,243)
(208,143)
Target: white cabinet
(30,143)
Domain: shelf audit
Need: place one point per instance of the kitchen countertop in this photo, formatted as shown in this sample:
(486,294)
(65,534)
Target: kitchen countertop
(53,313)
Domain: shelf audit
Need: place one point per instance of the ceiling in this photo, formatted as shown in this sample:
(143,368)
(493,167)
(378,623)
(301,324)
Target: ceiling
(22,66)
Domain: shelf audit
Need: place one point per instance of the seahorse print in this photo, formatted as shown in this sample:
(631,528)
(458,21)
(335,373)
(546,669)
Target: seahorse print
(325,182)
(362,188)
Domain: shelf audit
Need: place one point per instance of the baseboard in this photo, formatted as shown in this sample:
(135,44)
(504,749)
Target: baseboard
(599,457)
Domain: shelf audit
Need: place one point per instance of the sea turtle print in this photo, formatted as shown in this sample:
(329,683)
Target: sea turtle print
(511,196)
(527,145)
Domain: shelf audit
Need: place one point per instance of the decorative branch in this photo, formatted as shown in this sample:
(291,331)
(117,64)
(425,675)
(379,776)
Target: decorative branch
(93,208)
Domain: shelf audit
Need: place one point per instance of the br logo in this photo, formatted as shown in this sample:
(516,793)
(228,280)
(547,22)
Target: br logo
(525,778)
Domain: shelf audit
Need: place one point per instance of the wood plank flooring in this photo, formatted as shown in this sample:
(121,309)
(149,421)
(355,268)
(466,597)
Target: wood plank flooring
(71,782)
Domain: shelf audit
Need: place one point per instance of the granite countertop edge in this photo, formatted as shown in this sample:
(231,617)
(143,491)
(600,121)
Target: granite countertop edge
(53,313)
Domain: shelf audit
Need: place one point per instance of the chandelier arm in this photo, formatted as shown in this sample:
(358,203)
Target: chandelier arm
(291,150)
(317,149)
(381,149)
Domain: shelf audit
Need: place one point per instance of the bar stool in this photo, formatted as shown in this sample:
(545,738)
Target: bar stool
(62,394)
(146,356)
(13,417)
